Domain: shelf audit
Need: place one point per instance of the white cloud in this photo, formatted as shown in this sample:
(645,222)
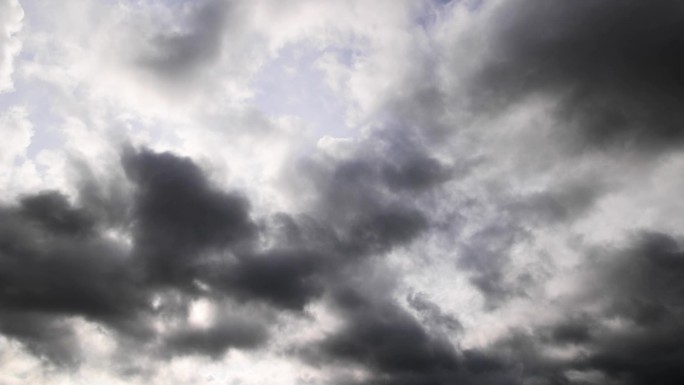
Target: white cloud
(11,15)
(17,173)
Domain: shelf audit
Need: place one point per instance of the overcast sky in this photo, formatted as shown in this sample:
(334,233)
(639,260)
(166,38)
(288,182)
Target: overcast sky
(304,192)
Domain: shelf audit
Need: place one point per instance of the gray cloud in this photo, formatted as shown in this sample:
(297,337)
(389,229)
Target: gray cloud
(217,339)
(52,211)
(137,248)
(178,215)
(387,340)
(487,254)
(54,266)
(433,315)
(175,55)
(287,279)
(47,338)
(57,261)
(639,285)
(615,66)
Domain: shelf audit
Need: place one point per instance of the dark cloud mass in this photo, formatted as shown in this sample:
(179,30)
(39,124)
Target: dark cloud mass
(179,216)
(44,336)
(616,67)
(387,340)
(52,211)
(186,236)
(54,266)
(56,262)
(288,279)
(637,287)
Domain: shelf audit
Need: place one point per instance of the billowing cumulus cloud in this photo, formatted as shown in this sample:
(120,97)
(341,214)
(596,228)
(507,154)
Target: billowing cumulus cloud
(463,192)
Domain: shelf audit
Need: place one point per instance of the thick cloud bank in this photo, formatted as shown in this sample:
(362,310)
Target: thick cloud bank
(497,201)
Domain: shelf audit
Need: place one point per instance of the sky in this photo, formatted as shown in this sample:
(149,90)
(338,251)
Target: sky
(305,192)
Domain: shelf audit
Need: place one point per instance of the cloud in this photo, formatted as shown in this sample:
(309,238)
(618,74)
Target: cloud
(217,339)
(178,215)
(433,314)
(416,174)
(17,130)
(388,345)
(495,201)
(619,326)
(488,254)
(59,261)
(44,336)
(174,55)
(180,233)
(52,211)
(17,174)
(55,267)
(288,279)
(10,25)
(644,279)
(615,68)
(389,342)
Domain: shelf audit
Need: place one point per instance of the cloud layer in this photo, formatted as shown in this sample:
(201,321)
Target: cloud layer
(495,201)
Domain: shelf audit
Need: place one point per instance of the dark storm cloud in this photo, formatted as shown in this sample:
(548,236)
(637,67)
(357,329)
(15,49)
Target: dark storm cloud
(56,263)
(391,343)
(353,219)
(183,224)
(381,230)
(639,357)
(617,67)
(572,332)
(179,215)
(288,279)
(640,284)
(181,54)
(186,230)
(52,266)
(394,347)
(638,287)
(45,336)
(645,280)
(185,236)
(53,211)
(175,201)
(46,268)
